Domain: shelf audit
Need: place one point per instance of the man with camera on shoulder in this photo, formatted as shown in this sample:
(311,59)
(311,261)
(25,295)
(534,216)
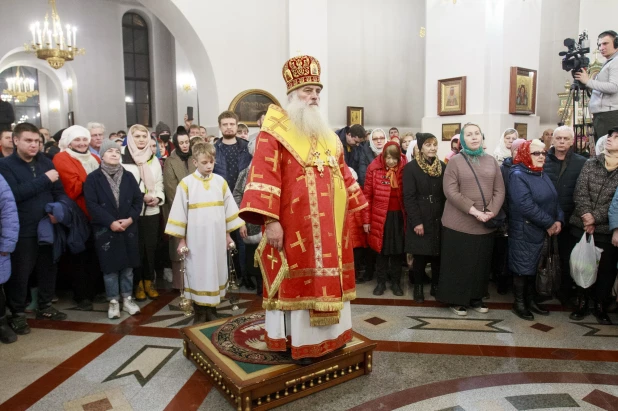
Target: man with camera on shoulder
(604,100)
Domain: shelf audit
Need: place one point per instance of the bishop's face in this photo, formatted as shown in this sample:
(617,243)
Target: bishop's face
(310,95)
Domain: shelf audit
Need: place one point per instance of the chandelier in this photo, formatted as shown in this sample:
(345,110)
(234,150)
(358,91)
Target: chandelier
(51,42)
(20,87)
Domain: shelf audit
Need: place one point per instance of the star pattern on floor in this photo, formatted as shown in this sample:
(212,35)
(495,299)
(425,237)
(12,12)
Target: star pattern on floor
(458,324)
(145,363)
(599,330)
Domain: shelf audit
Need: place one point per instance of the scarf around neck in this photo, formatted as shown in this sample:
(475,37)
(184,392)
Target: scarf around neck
(434,169)
(472,154)
(86,159)
(113,174)
(141,158)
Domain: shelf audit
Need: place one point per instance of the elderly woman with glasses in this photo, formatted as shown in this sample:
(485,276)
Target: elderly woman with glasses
(534,213)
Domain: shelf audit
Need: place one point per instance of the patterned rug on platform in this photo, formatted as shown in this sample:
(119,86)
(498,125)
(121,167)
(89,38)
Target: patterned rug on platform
(242,339)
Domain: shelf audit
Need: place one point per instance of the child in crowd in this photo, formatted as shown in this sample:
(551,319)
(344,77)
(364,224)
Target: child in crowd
(9,232)
(114,202)
(202,217)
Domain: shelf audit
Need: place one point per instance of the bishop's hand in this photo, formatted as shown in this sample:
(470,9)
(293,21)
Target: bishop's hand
(274,235)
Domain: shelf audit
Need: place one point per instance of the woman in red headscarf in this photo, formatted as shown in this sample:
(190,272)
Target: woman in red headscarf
(384,220)
(534,213)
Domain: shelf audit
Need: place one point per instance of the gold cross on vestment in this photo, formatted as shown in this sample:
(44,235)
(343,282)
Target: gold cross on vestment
(324,293)
(272,258)
(273,160)
(355,197)
(254,175)
(278,123)
(303,177)
(296,200)
(268,197)
(300,242)
(307,217)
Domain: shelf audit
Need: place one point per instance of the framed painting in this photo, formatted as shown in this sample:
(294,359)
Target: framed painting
(248,104)
(522,130)
(449,130)
(356,115)
(522,96)
(452,96)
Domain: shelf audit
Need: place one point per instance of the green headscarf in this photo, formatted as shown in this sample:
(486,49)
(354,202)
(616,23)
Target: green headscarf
(471,153)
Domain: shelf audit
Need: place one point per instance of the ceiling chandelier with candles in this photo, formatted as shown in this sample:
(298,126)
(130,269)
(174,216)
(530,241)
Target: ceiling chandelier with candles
(20,88)
(51,42)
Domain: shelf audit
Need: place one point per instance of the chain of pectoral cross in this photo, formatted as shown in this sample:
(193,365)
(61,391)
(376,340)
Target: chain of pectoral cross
(317,161)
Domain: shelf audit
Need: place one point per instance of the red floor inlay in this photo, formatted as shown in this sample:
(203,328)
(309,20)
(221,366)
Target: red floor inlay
(44,385)
(191,395)
(602,400)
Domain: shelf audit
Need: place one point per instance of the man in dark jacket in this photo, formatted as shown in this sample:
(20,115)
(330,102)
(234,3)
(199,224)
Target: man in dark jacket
(231,157)
(563,167)
(350,138)
(34,183)
(363,157)
(7,115)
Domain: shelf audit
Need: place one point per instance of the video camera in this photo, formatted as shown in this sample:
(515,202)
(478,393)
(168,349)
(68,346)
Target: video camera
(575,59)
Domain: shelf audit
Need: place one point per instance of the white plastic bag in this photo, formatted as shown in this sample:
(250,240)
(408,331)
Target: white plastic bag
(584,262)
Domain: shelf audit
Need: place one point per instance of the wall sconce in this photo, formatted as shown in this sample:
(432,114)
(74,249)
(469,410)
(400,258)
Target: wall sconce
(68,85)
(54,106)
(187,82)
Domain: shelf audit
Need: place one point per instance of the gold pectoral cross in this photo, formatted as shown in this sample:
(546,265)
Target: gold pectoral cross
(319,163)
(332,161)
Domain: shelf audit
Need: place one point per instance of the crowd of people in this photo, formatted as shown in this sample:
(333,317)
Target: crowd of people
(98,209)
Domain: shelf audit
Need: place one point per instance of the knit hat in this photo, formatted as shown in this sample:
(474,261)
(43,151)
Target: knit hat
(107,144)
(71,134)
(421,138)
(161,127)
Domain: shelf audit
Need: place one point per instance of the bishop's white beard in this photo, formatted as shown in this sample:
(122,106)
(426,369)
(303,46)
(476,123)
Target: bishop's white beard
(306,118)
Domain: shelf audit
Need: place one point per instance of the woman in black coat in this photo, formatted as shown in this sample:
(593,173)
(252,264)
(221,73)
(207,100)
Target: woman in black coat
(424,199)
(114,202)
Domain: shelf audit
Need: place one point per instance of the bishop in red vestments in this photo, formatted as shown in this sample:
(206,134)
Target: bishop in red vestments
(301,190)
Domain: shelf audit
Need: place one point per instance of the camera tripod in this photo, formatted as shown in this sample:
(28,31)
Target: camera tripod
(578,90)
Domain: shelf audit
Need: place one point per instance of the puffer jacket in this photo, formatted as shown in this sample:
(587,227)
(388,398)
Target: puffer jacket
(73,176)
(564,176)
(377,191)
(593,194)
(533,205)
(9,228)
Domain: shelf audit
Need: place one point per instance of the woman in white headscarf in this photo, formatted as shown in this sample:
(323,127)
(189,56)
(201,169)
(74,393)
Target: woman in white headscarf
(74,163)
(139,160)
(503,150)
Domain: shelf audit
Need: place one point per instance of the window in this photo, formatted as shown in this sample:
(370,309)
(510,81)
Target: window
(136,69)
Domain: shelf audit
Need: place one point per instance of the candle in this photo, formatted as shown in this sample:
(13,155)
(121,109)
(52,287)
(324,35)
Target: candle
(49,39)
(61,40)
(33,36)
(68,35)
(45,27)
(74,36)
(38,29)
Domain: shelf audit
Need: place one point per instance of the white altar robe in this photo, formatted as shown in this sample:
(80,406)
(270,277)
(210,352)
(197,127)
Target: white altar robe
(203,211)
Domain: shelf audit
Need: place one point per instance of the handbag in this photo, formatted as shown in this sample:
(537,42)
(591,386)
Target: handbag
(549,273)
(500,219)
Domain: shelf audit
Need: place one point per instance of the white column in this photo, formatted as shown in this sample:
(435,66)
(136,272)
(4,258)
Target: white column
(308,35)
(480,40)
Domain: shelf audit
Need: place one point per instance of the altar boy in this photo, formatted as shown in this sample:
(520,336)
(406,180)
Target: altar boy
(203,215)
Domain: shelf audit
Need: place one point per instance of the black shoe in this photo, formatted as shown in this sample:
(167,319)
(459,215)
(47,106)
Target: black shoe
(19,324)
(601,315)
(210,313)
(7,335)
(304,361)
(84,305)
(396,288)
(249,284)
(581,311)
(50,313)
(537,309)
(380,288)
(433,290)
(419,296)
(520,310)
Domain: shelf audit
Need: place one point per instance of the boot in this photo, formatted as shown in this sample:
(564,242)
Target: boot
(7,335)
(140,295)
(530,301)
(419,295)
(519,306)
(395,274)
(600,314)
(150,290)
(219,315)
(200,314)
(380,288)
(581,311)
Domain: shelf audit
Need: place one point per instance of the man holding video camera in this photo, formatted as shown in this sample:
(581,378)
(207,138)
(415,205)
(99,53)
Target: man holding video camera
(604,100)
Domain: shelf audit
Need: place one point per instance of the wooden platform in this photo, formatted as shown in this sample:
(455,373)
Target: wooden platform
(262,387)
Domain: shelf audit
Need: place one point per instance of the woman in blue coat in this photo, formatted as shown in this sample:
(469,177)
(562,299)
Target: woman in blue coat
(114,202)
(9,232)
(533,212)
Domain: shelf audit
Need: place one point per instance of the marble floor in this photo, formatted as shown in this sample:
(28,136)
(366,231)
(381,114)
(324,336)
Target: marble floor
(427,358)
